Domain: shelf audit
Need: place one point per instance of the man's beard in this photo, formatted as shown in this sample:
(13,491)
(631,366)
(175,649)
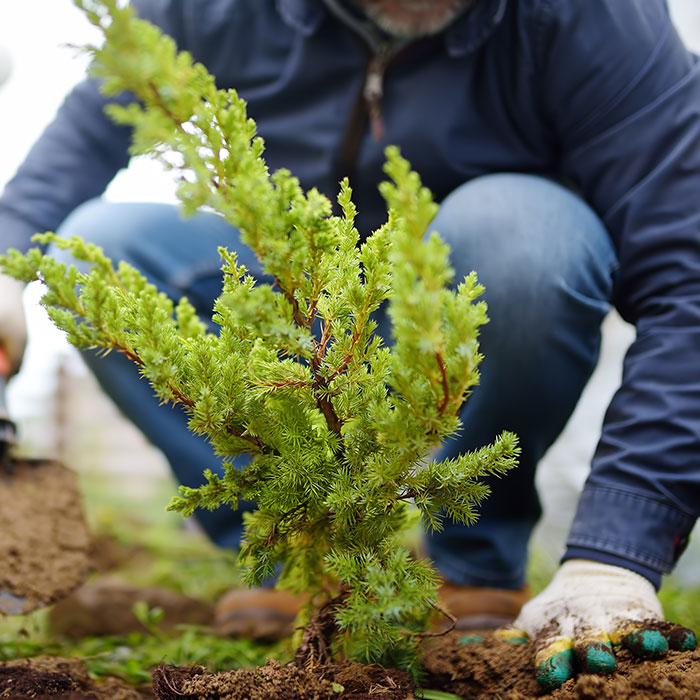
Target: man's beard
(408,19)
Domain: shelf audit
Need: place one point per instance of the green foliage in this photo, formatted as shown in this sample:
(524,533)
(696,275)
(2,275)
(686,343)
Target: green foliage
(338,425)
(132,657)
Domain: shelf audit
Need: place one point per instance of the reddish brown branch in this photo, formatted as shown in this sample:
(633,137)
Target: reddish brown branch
(179,397)
(347,358)
(237,432)
(325,337)
(323,402)
(442,611)
(326,407)
(312,311)
(318,635)
(299,318)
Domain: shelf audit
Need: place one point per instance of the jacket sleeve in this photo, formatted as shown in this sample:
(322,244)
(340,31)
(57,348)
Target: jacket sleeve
(622,94)
(74,159)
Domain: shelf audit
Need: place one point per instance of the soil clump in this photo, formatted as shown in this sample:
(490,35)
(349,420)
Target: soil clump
(44,542)
(492,668)
(498,668)
(53,678)
(349,681)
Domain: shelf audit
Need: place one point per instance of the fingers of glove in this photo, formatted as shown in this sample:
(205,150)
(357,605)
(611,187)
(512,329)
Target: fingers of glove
(554,662)
(594,654)
(652,640)
(512,635)
(562,658)
(508,634)
(680,638)
(644,643)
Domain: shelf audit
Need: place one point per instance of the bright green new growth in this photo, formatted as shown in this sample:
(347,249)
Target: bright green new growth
(338,426)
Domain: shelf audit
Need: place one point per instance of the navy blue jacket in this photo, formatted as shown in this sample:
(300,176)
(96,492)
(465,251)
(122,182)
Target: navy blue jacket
(599,93)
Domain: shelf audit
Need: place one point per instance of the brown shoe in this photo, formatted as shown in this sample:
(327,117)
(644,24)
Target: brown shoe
(482,608)
(260,614)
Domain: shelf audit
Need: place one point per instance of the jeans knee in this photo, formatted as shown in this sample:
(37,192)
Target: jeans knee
(530,241)
(95,222)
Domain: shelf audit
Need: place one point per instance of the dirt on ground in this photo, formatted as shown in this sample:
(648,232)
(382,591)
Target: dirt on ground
(489,670)
(349,681)
(44,542)
(496,668)
(53,678)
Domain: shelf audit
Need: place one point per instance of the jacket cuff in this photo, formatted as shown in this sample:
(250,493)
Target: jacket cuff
(630,530)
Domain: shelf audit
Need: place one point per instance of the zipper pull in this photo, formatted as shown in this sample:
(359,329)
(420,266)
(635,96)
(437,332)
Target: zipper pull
(372,92)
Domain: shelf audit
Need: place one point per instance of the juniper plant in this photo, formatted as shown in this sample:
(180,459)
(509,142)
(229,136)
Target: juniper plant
(338,423)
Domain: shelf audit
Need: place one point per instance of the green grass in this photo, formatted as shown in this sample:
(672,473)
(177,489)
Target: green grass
(154,548)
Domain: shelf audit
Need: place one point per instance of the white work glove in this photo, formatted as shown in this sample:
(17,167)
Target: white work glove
(585,612)
(13,328)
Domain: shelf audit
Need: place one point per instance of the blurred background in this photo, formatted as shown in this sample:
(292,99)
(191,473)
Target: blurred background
(55,401)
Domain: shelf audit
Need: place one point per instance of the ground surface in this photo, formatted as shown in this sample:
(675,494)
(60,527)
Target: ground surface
(139,547)
(64,679)
(492,670)
(496,669)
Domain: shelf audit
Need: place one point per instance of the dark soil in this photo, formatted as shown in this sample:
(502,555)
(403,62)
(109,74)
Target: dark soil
(350,681)
(489,670)
(47,678)
(496,668)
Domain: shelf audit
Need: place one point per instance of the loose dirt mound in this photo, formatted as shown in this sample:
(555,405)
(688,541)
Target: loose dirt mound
(44,542)
(496,668)
(276,682)
(49,678)
(483,671)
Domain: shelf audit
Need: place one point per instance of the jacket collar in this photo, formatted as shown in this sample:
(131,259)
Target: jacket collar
(468,32)
(302,15)
(465,35)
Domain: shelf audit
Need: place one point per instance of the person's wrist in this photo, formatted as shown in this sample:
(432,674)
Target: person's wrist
(13,329)
(652,575)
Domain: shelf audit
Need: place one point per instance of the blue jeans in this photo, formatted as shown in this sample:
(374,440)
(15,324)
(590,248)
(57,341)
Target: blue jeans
(548,267)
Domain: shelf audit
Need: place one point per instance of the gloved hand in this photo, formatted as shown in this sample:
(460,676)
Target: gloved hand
(585,612)
(13,329)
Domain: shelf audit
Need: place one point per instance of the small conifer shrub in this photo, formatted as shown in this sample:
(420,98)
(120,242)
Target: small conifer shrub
(338,423)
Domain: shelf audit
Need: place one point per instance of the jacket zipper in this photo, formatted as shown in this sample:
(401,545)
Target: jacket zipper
(372,93)
(367,105)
